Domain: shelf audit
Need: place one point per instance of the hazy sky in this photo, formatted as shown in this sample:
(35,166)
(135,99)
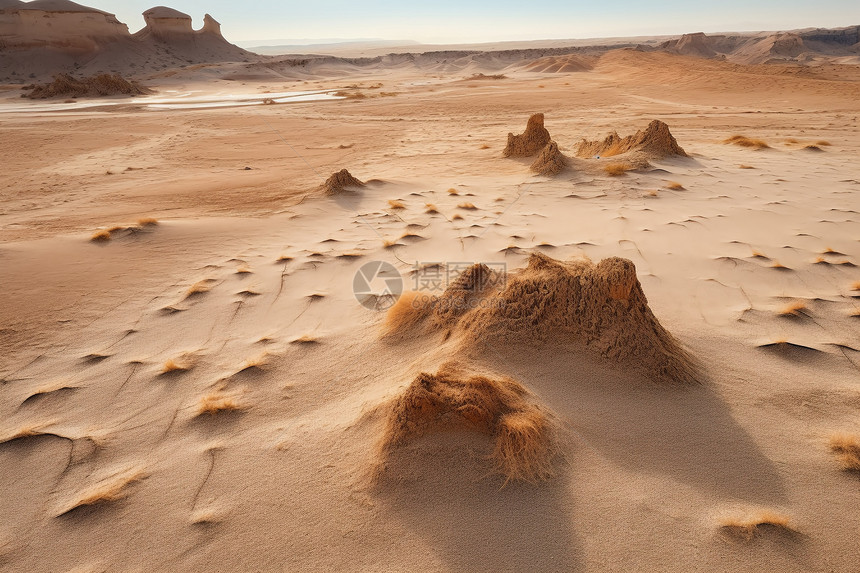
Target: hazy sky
(491,20)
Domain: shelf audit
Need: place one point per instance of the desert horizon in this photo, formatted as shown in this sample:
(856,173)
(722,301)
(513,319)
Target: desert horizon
(389,305)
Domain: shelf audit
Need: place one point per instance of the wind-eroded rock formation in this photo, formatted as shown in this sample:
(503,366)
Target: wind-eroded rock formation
(47,37)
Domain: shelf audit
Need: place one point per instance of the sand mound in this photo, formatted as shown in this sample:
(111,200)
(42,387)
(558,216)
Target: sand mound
(654,142)
(550,161)
(558,65)
(524,438)
(65,85)
(600,308)
(339,182)
(532,140)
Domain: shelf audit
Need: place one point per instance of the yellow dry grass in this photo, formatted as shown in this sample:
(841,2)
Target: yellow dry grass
(453,191)
(753,524)
(778,265)
(219,402)
(484,146)
(745,141)
(396,204)
(616,169)
(468,206)
(855,286)
(100,236)
(742,166)
(456,217)
(199,287)
(823,143)
(431,209)
(181,363)
(109,489)
(305,339)
(147,222)
(524,448)
(796,308)
(847,449)
(674,186)
(406,312)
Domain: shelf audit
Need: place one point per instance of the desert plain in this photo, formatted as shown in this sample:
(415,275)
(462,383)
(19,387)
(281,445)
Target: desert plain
(189,380)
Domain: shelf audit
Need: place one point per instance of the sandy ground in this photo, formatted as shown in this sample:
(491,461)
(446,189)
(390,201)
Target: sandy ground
(107,464)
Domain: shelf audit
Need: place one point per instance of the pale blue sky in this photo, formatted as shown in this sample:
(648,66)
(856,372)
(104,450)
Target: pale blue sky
(492,20)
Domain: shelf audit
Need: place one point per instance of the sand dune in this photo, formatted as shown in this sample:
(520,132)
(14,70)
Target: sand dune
(206,365)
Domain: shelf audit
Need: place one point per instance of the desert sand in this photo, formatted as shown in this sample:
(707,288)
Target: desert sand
(646,358)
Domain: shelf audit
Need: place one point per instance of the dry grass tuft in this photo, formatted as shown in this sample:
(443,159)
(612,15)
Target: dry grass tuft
(674,186)
(652,193)
(109,489)
(199,288)
(390,244)
(467,206)
(409,309)
(243,270)
(616,169)
(795,309)
(305,339)
(524,437)
(779,266)
(182,363)
(755,524)
(759,255)
(147,222)
(855,286)
(453,191)
(219,402)
(847,449)
(742,166)
(431,209)
(456,217)
(284,259)
(823,143)
(101,236)
(396,204)
(258,362)
(484,146)
(744,141)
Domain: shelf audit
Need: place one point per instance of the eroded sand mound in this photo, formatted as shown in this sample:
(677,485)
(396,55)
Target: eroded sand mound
(531,141)
(654,142)
(600,308)
(550,161)
(558,65)
(65,85)
(340,182)
(522,433)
